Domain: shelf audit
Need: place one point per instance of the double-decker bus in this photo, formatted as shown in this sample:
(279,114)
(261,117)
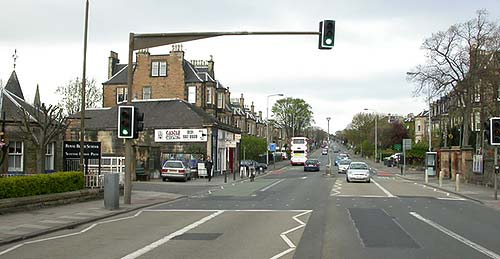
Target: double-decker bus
(299,147)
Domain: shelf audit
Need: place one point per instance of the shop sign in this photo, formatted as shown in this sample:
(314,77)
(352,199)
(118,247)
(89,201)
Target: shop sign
(181,135)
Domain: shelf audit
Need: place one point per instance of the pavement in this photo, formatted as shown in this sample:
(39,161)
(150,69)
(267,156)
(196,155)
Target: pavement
(28,224)
(478,193)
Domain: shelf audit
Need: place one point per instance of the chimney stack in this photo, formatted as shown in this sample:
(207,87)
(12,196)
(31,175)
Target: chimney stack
(242,101)
(252,109)
(112,61)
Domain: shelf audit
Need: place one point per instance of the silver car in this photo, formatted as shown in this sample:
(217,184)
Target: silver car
(175,169)
(344,165)
(358,171)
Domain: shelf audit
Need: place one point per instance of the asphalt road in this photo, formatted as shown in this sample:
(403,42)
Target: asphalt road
(287,214)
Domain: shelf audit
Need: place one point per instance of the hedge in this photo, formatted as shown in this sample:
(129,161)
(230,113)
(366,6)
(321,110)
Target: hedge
(21,186)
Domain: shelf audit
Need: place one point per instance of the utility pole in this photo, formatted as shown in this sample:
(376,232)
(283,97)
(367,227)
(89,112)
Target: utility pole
(82,112)
(267,127)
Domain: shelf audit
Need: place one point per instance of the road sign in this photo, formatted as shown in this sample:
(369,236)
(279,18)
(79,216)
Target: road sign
(272,147)
(397,147)
(406,144)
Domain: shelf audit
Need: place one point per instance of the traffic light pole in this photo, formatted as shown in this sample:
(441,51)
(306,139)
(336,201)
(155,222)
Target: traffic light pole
(150,40)
(496,173)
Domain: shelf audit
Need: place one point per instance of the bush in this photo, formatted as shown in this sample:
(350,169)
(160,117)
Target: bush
(21,186)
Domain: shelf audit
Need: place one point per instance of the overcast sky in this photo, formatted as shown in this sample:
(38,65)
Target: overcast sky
(376,42)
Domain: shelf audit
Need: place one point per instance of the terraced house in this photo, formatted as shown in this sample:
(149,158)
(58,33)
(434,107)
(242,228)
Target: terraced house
(174,94)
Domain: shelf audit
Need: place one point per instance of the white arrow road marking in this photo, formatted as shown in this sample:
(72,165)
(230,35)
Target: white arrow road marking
(286,239)
(458,237)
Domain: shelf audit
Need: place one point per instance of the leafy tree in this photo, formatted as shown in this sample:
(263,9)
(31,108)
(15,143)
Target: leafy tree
(40,127)
(71,95)
(294,115)
(253,147)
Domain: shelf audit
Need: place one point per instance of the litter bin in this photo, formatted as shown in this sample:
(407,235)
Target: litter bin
(112,191)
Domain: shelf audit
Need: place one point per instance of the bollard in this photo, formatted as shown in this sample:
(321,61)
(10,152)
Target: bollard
(457,182)
(112,191)
(441,178)
(426,175)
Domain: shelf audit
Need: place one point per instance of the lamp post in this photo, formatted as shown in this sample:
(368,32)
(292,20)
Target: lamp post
(328,131)
(267,126)
(376,133)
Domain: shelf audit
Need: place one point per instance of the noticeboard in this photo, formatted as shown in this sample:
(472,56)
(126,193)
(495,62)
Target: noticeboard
(91,150)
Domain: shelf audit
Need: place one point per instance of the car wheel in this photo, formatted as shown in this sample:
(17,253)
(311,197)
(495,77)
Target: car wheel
(164,179)
(368,181)
(347,179)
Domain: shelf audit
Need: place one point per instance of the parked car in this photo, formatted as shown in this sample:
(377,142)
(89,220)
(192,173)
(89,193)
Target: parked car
(311,165)
(260,166)
(175,169)
(358,171)
(343,165)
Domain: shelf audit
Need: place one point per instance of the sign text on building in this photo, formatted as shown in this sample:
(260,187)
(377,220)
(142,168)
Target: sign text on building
(180,135)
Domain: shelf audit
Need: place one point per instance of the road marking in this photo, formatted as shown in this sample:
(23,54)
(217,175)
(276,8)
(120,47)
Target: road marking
(383,189)
(303,178)
(286,239)
(451,199)
(361,196)
(165,239)
(271,185)
(68,235)
(458,237)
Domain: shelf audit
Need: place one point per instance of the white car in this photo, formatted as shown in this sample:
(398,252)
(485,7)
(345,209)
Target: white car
(175,169)
(344,165)
(358,171)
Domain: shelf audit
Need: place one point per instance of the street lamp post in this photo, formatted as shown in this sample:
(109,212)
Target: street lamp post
(376,133)
(267,126)
(328,130)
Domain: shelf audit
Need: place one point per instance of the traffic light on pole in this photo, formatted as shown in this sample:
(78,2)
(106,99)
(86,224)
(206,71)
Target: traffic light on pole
(495,131)
(326,34)
(138,122)
(487,131)
(125,121)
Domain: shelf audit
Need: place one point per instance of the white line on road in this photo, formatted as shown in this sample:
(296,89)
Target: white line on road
(383,189)
(165,239)
(304,177)
(361,196)
(458,237)
(271,185)
(289,242)
(68,235)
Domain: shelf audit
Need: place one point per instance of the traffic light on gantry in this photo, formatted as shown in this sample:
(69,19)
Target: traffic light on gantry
(125,122)
(326,34)
(495,131)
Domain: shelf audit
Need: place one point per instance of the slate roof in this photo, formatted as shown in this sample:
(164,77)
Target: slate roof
(190,73)
(158,114)
(12,100)
(13,85)
(120,77)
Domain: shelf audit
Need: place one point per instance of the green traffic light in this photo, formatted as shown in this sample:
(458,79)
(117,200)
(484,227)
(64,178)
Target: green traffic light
(125,132)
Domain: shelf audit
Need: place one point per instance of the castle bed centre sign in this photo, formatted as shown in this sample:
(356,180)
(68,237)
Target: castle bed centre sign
(181,135)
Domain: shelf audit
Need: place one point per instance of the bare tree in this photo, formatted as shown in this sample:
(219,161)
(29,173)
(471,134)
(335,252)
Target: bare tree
(455,58)
(71,93)
(41,126)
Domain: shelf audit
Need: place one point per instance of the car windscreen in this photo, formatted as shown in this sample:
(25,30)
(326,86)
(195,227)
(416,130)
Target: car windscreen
(311,162)
(172,164)
(345,162)
(359,166)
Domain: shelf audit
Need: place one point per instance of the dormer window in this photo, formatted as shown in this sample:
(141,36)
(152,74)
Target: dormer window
(158,68)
